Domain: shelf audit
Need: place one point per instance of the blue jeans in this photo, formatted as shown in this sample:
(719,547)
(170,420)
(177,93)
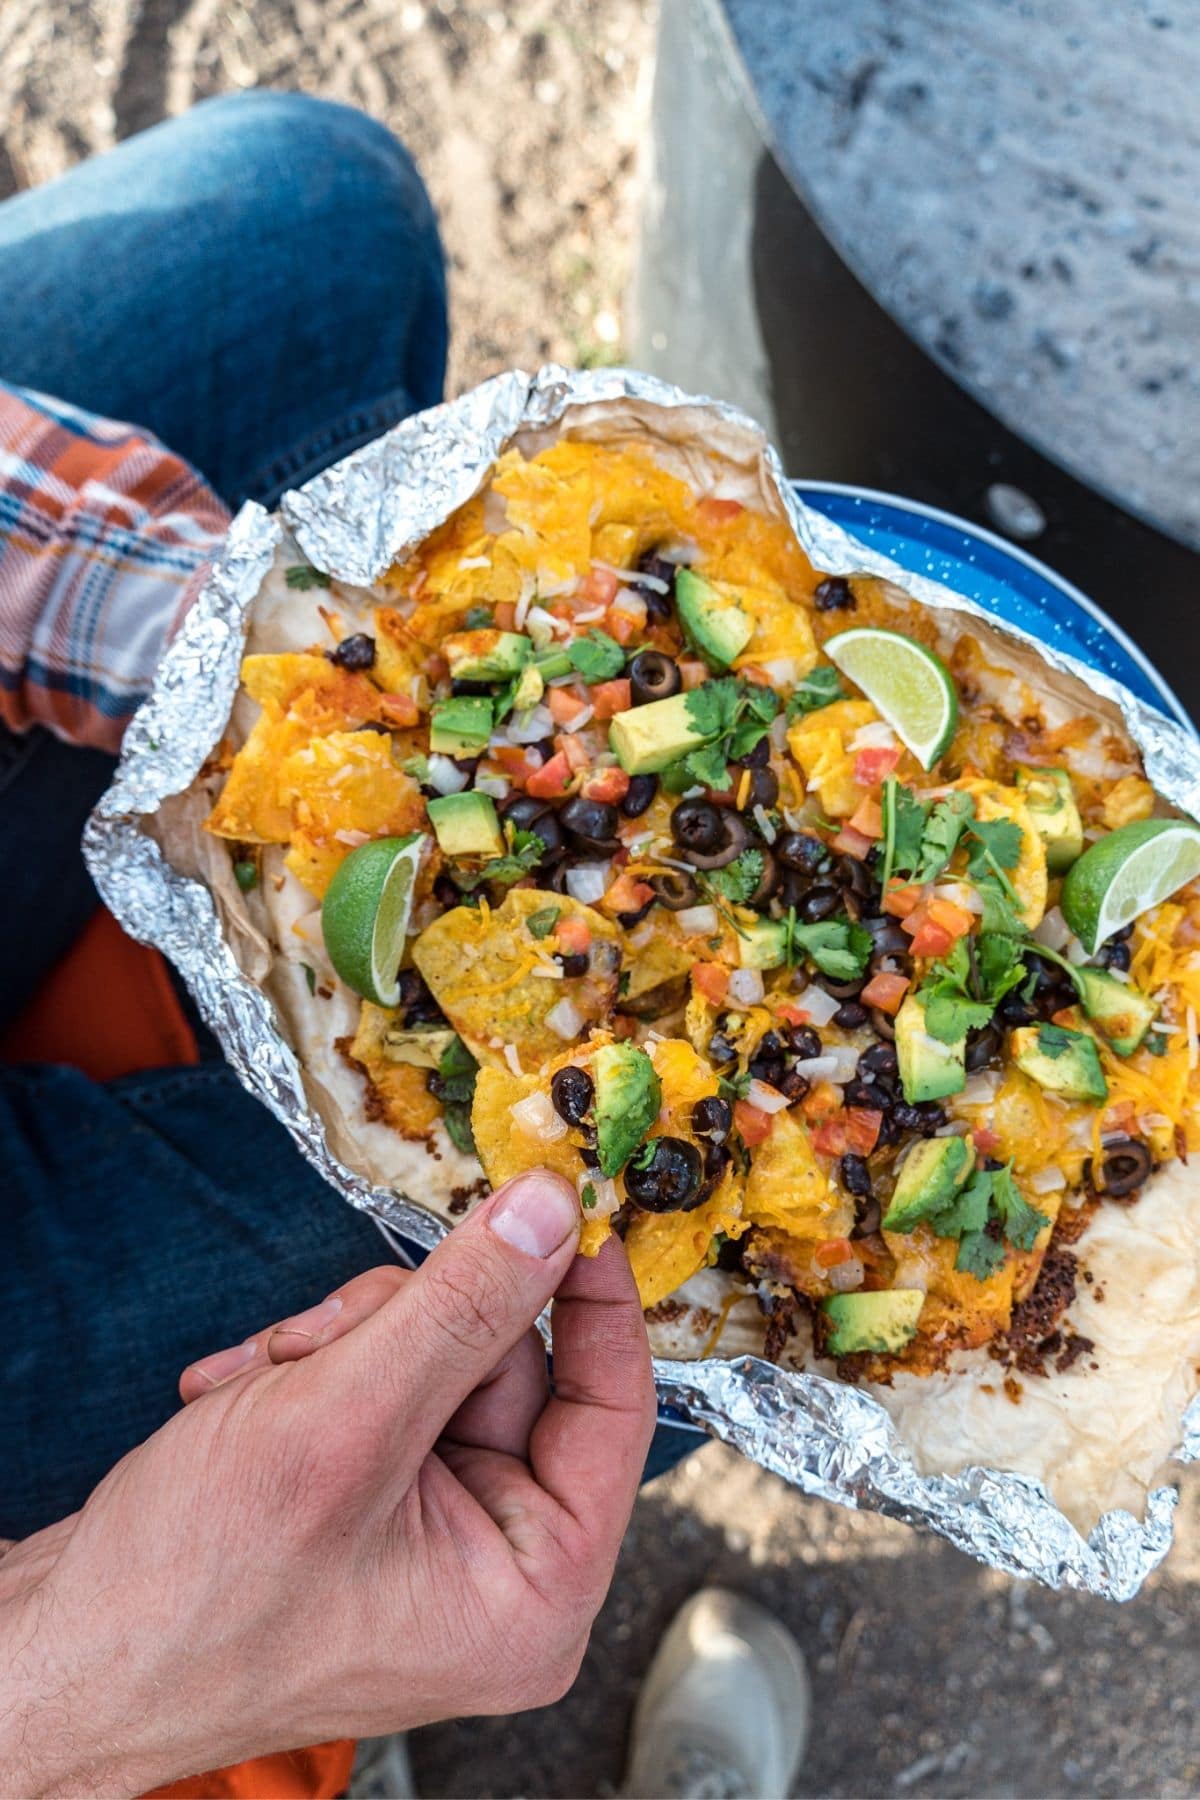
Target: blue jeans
(261,284)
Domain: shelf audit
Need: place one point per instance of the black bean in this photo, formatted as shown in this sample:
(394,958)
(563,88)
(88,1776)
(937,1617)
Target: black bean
(572,1092)
(1015,1011)
(675,888)
(888,938)
(982,1046)
(416,1002)
(670,1180)
(757,758)
(460,685)
(855,1175)
(522,811)
(820,902)
(545,748)
(766,1068)
(764,788)
(799,850)
(717,1158)
(572,963)
(834,594)
(1116,956)
(863,1093)
(356,652)
(804,1042)
(868,1216)
(627,920)
(794,1085)
(638,795)
(923,1118)
(850,1015)
(658,606)
(588,1157)
(698,825)
(880,1059)
(445,891)
(712,1116)
(720,1050)
(771,1044)
(653,676)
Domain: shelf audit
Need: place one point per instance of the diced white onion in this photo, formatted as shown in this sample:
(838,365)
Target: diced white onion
(565,1019)
(587,882)
(766,1098)
(1075,951)
(878,735)
(631,604)
(494,786)
(475,562)
(655,583)
(513,1060)
(1080,1133)
(695,920)
(819,1005)
(778,731)
(961,894)
(445,774)
(645,935)
(551,585)
(818,1068)
(1121,975)
(746,986)
(1052,930)
(583,717)
(953,1128)
(780,669)
(536,1114)
(765,824)
(845,1061)
(590,617)
(981,1087)
(355,838)
(1047,1181)
(530,725)
(521,610)
(549,971)
(844,1277)
(606,1198)
(540,626)
(693,793)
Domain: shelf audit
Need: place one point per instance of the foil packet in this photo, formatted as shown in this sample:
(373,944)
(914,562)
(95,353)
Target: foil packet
(353,521)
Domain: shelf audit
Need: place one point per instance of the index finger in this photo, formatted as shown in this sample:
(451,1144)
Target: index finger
(589,1447)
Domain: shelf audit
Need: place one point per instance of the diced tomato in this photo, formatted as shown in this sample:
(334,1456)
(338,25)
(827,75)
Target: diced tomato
(627,894)
(931,939)
(791,1015)
(752,672)
(399,709)
(517,762)
(900,900)
(822,1103)
(609,785)
(851,842)
(567,744)
(986,1140)
(872,766)
(862,1129)
(829,1139)
(598,587)
(436,669)
(552,780)
(868,818)
(718,512)
(574,935)
(833,1251)
(754,1126)
(564,703)
(504,615)
(952,917)
(692,674)
(711,980)
(885,991)
(611,697)
(621,625)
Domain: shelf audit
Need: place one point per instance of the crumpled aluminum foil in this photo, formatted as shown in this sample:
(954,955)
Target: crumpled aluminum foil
(353,521)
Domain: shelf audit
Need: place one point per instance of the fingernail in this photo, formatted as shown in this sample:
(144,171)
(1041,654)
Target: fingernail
(535,1214)
(310,1324)
(225,1362)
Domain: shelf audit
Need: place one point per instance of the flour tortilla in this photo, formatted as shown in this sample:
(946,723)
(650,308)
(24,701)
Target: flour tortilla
(1098,1437)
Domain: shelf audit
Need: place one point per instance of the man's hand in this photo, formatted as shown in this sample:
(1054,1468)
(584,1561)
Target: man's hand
(405,1526)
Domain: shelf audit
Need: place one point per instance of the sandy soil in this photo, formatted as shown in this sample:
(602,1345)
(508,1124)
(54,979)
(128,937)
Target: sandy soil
(525,119)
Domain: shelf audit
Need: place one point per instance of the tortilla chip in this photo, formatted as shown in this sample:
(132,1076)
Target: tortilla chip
(818,742)
(780,629)
(253,805)
(666,1249)
(788,1188)
(345,783)
(1029,878)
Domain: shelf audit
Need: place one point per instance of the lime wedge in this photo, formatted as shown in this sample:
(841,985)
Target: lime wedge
(1126,873)
(365,915)
(906,683)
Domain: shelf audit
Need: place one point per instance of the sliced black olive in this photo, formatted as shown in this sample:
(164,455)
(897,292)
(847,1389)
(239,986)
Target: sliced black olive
(880,1059)
(356,652)
(855,1175)
(882,1024)
(698,825)
(804,1041)
(1125,1166)
(850,1015)
(572,1092)
(638,795)
(799,850)
(820,902)
(671,1178)
(834,594)
(982,1046)
(653,676)
(675,888)
(768,881)
(736,839)
(589,821)
(712,1116)
(842,990)
(572,964)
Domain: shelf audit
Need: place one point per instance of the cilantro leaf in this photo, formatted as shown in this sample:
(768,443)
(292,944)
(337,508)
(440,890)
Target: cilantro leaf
(999,840)
(310,976)
(999,960)
(979,1254)
(588,1196)
(643,1156)
(820,687)
(904,821)
(968,1211)
(738,879)
(526,850)
(478,618)
(712,707)
(746,735)
(596,657)
(989,1210)
(541,923)
(453,1084)
(999,913)
(732,715)
(939,840)
(839,947)
(1054,1040)
(707,766)
(949,1016)
(303,576)
(1021,1222)
(736,1088)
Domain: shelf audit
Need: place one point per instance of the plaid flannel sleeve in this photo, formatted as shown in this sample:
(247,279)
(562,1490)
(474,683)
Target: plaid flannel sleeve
(104,539)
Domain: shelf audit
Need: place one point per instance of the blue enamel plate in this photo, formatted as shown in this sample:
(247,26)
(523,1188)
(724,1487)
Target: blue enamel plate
(1008,582)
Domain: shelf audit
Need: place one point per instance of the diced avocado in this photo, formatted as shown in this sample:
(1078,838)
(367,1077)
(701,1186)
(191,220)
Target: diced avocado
(881,1320)
(487,655)
(647,738)
(466,824)
(1062,1061)
(1051,801)
(421,1049)
(628,1096)
(933,1172)
(462,726)
(929,1069)
(1122,1015)
(763,945)
(713,624)
(529,688)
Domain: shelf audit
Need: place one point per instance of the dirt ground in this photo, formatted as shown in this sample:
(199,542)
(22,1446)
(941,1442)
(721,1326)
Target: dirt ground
(931,1676)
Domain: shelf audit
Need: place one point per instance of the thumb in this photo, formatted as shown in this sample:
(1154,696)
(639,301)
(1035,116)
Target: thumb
(449,1325)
